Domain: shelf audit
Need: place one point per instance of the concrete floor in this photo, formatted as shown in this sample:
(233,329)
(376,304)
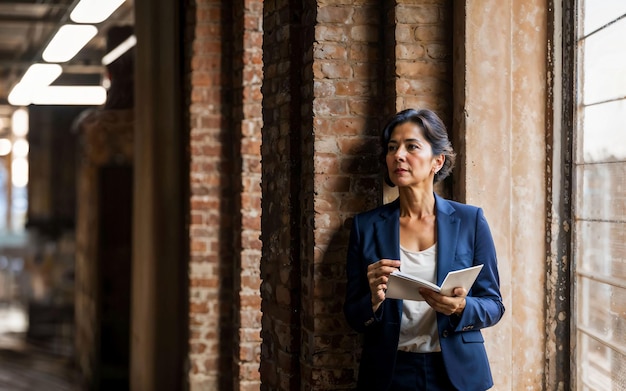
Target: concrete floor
(26,366)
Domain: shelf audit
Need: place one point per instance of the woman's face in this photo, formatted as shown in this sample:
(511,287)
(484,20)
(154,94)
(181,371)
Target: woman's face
(410,160)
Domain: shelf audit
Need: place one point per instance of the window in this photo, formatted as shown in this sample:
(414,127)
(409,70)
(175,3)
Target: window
(600,197)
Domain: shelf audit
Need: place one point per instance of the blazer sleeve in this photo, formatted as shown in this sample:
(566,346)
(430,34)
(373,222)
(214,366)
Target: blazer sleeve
(484,307)
(358,302)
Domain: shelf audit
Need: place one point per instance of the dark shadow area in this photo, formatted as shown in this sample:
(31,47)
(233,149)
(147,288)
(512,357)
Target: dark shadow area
(114,262)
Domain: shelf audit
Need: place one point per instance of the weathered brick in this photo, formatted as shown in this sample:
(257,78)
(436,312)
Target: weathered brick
(322,114)
(212,156)
(334,14)
(417,15)
(331,34)
(409,51)
(364,33)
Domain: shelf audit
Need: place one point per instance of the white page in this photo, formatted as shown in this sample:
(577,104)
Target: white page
(460,279)
(405,286)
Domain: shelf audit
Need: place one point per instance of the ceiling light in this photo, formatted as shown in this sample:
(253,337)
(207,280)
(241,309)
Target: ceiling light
(68,41)
(36,77)
(20,148)
(70,95)
(94,11)
(119,50)
(19,123)
(39,75)
(20,95)
(5,146)
(19,172)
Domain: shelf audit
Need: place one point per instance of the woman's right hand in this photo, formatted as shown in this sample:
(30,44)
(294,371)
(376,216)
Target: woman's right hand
(378,275)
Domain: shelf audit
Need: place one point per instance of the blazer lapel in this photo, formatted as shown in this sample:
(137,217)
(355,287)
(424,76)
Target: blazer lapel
(387,234)
(447,233)
(387,231)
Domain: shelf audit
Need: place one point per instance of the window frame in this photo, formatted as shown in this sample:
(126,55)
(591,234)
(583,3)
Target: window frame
(572,24)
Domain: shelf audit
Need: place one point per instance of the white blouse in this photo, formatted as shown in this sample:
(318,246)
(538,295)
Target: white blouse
(418,328)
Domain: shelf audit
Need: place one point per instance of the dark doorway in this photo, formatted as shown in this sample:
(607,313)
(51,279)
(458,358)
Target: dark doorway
(115,184)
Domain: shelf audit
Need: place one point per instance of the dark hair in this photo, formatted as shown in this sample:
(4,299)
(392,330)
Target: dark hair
(433,130)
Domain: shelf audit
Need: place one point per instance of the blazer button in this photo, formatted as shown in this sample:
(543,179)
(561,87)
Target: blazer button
(444,334)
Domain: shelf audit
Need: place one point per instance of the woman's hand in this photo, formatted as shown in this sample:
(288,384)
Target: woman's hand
(378,275)
(447,305)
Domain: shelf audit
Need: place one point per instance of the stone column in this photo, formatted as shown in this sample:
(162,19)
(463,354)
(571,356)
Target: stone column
(499,123)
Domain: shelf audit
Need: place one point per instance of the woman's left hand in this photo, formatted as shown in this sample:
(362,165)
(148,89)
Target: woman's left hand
(447,305)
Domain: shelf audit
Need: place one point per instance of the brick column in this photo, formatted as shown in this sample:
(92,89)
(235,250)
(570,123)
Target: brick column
(331,77)
(225,173)
(321,118)
(248,75)
(420,63)
(423,56)
(286,61)
(348,74)
(211,219)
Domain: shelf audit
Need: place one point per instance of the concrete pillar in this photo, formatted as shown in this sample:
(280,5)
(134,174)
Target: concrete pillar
(499,120)
(160,254)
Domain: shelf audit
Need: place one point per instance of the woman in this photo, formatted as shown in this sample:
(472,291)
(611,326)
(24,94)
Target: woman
(434,344)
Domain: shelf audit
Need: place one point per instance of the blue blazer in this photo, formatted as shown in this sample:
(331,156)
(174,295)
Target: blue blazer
(463,240)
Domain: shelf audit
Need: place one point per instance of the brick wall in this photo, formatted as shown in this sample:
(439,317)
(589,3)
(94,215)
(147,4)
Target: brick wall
(330,73)
(281,150)
(321,114)
(423,53)
(331,77)
(225,74)
(248,75)
(210,277)
(422,75)
(348,70)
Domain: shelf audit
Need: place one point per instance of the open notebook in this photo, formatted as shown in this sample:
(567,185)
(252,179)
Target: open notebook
(405,286)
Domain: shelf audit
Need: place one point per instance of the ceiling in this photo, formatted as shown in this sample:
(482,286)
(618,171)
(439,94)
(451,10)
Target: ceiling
(26,26)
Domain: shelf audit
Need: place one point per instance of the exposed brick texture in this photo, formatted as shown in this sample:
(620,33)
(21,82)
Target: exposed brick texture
(421,75)
(225,209)
(346,178)
(286,59)
(330,79)
(423,52)
(247,124)
(268,240)
(210,288)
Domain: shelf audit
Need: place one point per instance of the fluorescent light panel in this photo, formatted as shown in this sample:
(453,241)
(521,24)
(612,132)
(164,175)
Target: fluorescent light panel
(20,95)
(70,95)
(94,11)
(41,74)
(68,41)
(37,76)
